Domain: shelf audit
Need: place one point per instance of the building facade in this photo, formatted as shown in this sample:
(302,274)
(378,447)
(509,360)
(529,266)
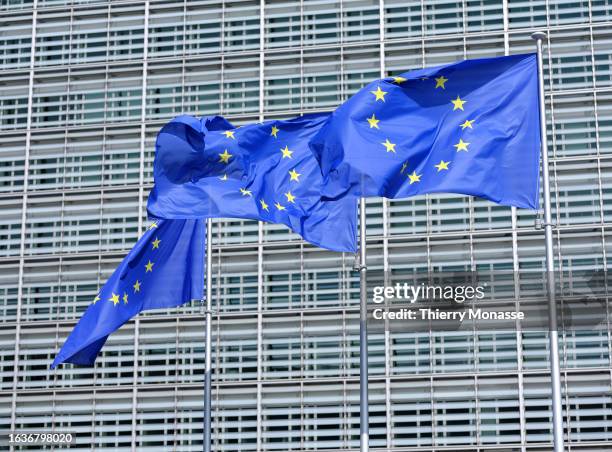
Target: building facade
(84,87)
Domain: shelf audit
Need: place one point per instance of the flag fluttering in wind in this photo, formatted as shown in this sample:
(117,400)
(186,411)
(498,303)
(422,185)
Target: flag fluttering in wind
(164,269)
(206,168)
(470,127)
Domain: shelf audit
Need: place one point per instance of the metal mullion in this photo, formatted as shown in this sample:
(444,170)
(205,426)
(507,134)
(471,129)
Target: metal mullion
(470,231)
(346,414)
(185,42)
(432,405)
(518,335)
(557,218)
(476,404)
(422,39)
(302,423)
(341,45)
(346,349)
(515,267)
(143,109)
(24,206)
(176,416)
(176,373)
(143,112)
(184,55)
(301,108)
(386,269)
(260,238)
(506,21)
(431,344)
(222,55)
(302,349)
(464,25)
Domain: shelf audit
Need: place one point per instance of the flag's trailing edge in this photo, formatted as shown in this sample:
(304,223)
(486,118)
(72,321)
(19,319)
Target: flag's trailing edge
(164,269)
(207,168)
(470,127)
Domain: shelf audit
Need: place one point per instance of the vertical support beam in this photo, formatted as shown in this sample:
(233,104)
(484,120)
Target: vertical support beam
(143,115)
(506,20)
(24,206)
(260,236)
(143,112)
(385,217)
(364,428)
(208,346)
(262,44)
(515,269)
(553,335)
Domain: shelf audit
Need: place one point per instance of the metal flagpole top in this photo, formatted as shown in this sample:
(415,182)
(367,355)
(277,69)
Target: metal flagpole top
(538,35)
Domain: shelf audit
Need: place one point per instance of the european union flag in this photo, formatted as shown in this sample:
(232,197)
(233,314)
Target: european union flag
(207,168)
(470,127)
(164,269)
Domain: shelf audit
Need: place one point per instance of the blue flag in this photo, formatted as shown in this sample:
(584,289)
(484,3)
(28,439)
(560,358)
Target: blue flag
(470,127)
(164,269)
(206,168)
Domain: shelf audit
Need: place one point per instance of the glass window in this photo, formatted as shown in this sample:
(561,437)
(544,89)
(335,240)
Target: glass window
(15,42)
(13,101)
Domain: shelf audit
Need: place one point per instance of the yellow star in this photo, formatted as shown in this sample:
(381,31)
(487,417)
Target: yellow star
(399,80)
(279,206)
(458,103)
(114,299)
(224,158)
(379,93)
(373,122)
(125,298)
(153,226)
(442,165)
(404,166)
(467,123)
(274,131)
(440,81)
(390,146)
(290,197)
(264,206)
(286,152)
(414,177)
(156,243)
(96,299)
(223,178)
(294,175)
(136,286)
(246,192)
(462,145)
(149,267)
(229,134)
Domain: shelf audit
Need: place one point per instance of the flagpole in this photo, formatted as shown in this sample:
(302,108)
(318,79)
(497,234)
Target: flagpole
(553,338)
(208,332)
(364,429)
